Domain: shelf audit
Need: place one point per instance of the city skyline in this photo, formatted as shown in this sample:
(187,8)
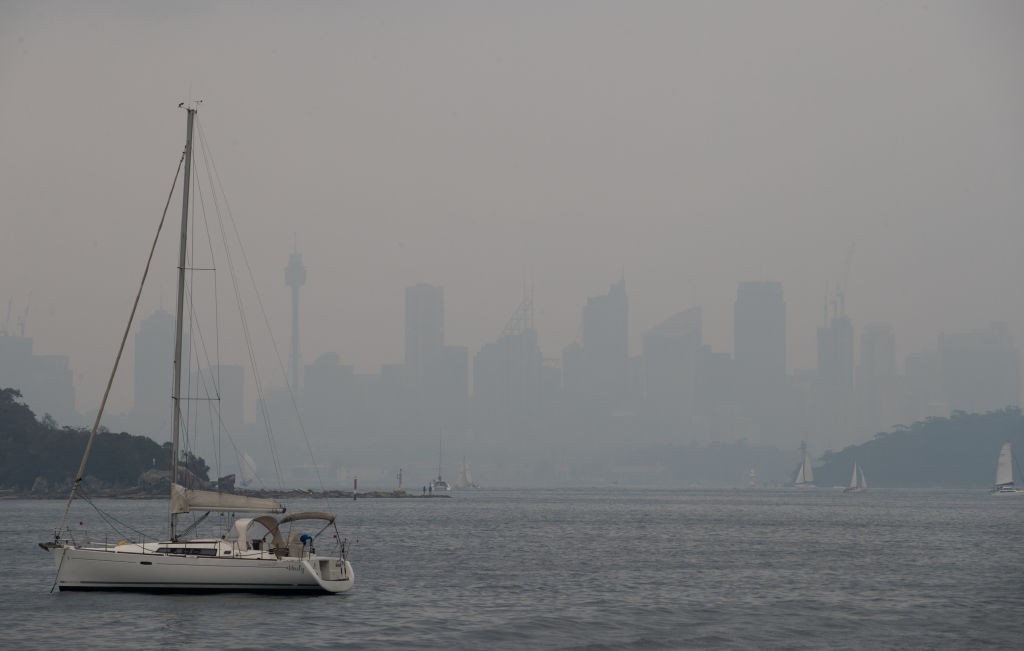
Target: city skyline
(550,146)
(759,312)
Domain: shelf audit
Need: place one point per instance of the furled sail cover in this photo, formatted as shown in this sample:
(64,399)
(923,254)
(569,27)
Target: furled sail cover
(184,500)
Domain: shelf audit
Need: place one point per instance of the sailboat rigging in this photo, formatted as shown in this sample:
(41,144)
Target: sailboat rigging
(804,474)
(857,481)
(440,487)
(1004,473)
(254,555)
(465,477)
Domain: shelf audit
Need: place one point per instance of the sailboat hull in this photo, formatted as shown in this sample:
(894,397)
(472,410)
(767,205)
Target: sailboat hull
(1002,492)
(84,568)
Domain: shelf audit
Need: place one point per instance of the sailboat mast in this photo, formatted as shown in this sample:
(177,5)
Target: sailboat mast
(439,456)
(179,320)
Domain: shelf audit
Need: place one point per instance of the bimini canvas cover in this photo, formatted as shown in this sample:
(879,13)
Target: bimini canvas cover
(307,515)
(184,500)
(240,532)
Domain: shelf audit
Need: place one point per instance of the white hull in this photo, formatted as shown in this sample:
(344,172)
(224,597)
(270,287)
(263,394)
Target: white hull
(1001,493)
(140,567)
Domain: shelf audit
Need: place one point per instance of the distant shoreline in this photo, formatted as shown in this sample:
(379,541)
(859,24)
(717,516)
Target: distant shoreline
(292,494)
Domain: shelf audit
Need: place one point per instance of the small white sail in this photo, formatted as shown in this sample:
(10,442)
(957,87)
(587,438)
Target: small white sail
(800,475)
(808,473)
(853,480)
(1004,469)
(863,482)
(184,500)
(248,470)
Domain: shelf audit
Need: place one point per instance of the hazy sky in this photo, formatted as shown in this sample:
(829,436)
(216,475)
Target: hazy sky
(690,145)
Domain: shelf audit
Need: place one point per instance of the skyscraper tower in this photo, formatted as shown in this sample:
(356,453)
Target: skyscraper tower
(424,326)
(759,333)
(606,344)
(295,277)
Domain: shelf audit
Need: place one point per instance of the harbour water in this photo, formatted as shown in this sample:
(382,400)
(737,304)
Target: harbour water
(587,568)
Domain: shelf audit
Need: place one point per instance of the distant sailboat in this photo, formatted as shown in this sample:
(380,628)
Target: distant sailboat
(1004,473)
(440,486)
(857,481)
(465,477)
(805,476)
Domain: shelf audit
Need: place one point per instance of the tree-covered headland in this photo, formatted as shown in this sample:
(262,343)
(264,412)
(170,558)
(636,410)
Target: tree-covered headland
(42,457)
(955,452)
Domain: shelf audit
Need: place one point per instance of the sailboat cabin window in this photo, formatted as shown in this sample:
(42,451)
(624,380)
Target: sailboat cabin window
(188,551)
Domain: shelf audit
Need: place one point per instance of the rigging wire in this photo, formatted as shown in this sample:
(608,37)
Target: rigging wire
(209,388)
(111,521)
(203,351)
(120,351)
(215,181)
(263,311)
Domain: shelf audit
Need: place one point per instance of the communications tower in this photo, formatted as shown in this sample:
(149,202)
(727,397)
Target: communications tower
(295,277)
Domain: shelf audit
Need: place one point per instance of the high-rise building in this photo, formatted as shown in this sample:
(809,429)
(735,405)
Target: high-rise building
(450,375)
(759,332)
(835,354)
(507,376)
(759,352)
(424,326)
(836,423)
(877,388)
(154,348)
(295,277)
(326,388)
(672,353)
(878,351)
(45,381)
(605,354)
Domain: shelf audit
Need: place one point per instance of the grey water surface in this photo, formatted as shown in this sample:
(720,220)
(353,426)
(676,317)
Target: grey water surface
(597,568)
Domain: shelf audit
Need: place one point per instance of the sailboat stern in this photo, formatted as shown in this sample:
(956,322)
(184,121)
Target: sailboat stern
(333,575)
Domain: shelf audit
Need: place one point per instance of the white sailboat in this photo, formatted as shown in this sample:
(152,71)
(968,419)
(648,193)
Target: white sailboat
(1004,473)
(857,481)
(805,475)
(259,553)
(465,477)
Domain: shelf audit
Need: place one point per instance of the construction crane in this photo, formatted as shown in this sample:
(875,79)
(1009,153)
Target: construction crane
(21,321)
